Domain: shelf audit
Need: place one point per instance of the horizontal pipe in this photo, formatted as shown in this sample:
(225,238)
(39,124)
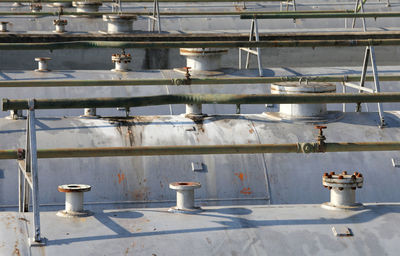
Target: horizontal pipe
(198,44)
(141,1)
(283,15)
(127,102)
(194,81)
(188,13)
(206,149)
(13,38)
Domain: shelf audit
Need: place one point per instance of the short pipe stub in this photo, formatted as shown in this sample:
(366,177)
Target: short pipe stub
(184,197)
(342,189)
(74,200)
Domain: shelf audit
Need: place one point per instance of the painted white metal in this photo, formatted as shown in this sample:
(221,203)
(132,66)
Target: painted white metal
(203,59)
(60,25)
(184,195)
(302,110)
(194,109)
(3,26)
(87,6)
(42,64)
(119,23)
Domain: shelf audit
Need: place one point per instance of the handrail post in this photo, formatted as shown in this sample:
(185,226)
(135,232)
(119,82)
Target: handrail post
(32,166)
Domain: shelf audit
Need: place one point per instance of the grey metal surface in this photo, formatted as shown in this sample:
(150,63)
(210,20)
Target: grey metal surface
(277,178)
(231,230)
(154,59)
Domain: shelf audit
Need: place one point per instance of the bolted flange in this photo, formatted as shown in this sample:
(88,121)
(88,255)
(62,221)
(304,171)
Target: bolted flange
(342,190)
(60,25)
(121,62)
(184,197)
(73,200)
(3,26)
(42,64)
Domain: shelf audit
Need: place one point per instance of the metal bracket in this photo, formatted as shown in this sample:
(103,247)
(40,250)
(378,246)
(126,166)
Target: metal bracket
(257,52)
(28,174)
(342,232)
(288,3)
(155,18)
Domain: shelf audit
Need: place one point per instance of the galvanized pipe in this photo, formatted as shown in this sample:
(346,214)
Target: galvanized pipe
(206,150)
(198,44)
(194,81)
(127,102)
(317,15)
(189,13)
(141,1)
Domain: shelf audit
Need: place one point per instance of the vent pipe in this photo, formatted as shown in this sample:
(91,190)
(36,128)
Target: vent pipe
(184,197)
(203,59)
(302,110)
(60,25)
(86,6)
(73,200)
(42,64)
(121,61)
(3,26)
(119,23)
(343,190)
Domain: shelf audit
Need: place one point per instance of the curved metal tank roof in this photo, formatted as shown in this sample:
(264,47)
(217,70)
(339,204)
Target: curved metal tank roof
(259,178)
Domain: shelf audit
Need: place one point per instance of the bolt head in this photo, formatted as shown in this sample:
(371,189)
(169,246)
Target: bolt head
(344,173)
(340,177)
(332,173)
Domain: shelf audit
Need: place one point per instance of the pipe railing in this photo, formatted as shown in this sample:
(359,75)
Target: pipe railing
(141,1)
(317,15)
(169,13)
(128,102)
(193,81)
(209,37)
(199,44)
(310,147)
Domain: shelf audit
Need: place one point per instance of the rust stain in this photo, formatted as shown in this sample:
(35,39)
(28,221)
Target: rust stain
(121,177)
(23,219)
(16,250)
(241,176)
(251,130)
(245,191)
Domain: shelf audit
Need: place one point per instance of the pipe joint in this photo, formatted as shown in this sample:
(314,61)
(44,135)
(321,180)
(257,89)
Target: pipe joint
(3,26)
(342,190)
(42,64)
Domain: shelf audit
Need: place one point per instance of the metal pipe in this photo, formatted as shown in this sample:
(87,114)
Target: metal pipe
(317,15)
(206,150)
(189,13)
(198,44)
(194,37)
(141,1)
(128,102)
(193,81)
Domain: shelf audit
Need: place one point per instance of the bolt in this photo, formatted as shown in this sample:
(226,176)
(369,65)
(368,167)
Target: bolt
(340,177)
(329,188)
(344,173)
(353,177)
(332,173)
(329,176)
(359,175)
(340,189)
(355,173)
(325,174)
